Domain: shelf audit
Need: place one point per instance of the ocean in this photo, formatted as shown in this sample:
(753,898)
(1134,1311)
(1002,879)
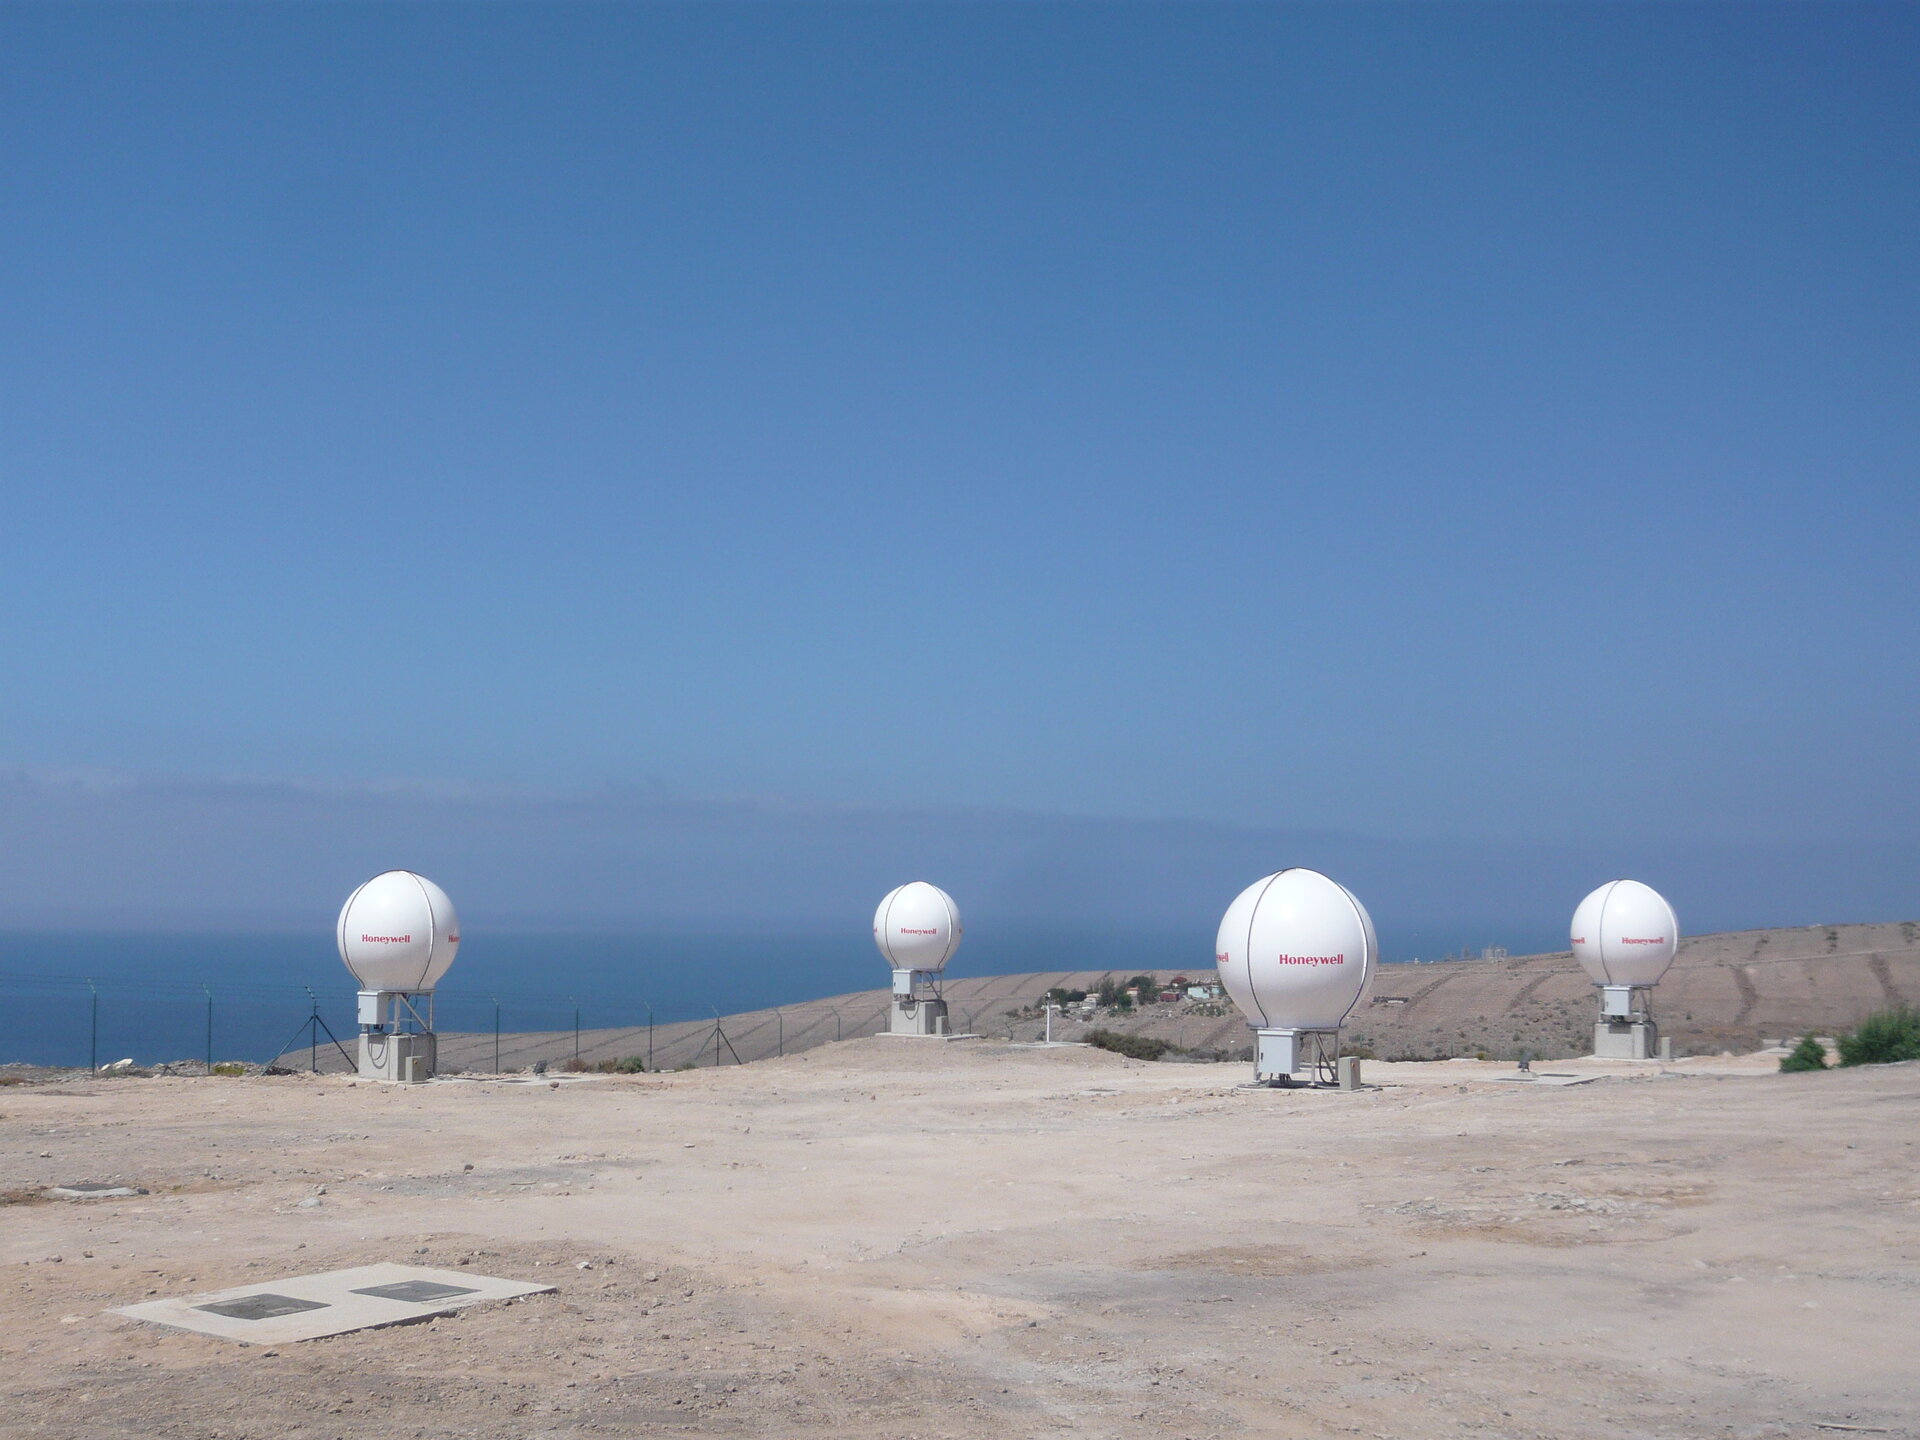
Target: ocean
(75,998)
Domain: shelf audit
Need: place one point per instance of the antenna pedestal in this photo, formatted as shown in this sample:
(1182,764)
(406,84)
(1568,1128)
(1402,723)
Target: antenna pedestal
(389,1050)
(917,1006)
(1625,1029)
(1280,1054)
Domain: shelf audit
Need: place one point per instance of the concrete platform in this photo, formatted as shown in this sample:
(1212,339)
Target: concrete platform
(906,1035)
(1544,1078)
(307,1307)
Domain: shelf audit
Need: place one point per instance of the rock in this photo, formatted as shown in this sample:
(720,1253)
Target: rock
(312,1202)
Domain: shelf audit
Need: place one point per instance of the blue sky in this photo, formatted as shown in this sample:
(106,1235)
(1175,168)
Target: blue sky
(1492,425)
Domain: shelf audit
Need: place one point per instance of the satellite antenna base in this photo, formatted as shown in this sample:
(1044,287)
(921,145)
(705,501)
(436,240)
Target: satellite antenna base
(1625,1028)
(918,1008)
(397,1043)
(1281,1053)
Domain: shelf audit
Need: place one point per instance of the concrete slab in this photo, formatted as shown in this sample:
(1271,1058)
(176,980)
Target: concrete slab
(563,1078)
(308,1307)
(905,1035)
(89,1191)
(1544,1079)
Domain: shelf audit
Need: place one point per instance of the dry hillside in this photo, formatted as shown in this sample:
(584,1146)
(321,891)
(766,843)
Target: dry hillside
(1725,992)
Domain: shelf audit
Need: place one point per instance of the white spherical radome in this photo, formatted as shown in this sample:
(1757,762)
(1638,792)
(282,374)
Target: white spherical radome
(1625,933)
(398,932)
(1295,950)
(917,927)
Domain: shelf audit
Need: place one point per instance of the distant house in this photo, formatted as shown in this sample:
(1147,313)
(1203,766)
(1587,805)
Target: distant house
(1168,995)
(1199,992)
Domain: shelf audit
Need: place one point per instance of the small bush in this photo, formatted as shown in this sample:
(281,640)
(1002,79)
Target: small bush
(1884,1037)
(1809,1054)
(684,1065)
(631,1065)
(574,1065)
(229,1067)
(1134,1047)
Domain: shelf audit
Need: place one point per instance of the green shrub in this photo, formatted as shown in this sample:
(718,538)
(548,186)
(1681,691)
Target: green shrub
(631,1065)
(1134,1047)
(1809,1054)
(1883,1037)
(229,1067)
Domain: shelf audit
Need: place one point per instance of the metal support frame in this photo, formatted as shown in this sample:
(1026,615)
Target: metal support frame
(918,1006)
(1314,1051)
(394,1033)
(1624,1028)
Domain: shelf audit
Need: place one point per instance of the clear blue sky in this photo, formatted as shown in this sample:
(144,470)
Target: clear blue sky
(1417,421)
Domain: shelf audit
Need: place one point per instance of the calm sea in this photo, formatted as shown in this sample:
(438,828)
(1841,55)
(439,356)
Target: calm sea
(67,998)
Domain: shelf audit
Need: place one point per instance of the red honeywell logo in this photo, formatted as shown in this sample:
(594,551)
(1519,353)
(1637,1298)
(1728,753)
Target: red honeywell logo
(1339,959)
(905,931)
(387,939)
(1649,940)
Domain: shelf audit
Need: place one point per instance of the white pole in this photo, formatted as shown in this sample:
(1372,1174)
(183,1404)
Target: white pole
(1049,1022)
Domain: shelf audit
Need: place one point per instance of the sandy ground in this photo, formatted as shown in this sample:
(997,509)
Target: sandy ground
(897,1239)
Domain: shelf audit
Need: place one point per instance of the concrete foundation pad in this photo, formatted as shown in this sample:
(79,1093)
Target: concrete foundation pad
(307,1307)
(93,1192)
(1544,1079)
(908,1035)
(561,1077)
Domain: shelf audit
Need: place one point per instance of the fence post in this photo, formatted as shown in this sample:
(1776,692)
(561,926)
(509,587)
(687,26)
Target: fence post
(649,1039)
(576,1027)
(781,1021)
(496,1034)
(209,990)
(93,1029)
(836,1022)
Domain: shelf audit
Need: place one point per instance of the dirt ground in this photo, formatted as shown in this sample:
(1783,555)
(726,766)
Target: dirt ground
(908,1239)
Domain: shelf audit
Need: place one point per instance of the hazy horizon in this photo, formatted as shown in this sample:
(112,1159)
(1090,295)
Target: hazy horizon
(262,855)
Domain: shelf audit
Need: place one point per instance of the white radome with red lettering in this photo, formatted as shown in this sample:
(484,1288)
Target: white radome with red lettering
(1625,933)
(917,927)
(1295,950)
(398,933)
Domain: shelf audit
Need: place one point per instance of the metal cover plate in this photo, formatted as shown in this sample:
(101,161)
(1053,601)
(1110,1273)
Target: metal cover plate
(416,1292)
(261,1307)
(306,1307)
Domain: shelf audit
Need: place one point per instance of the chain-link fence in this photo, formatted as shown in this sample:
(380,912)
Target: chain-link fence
(191,1027)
